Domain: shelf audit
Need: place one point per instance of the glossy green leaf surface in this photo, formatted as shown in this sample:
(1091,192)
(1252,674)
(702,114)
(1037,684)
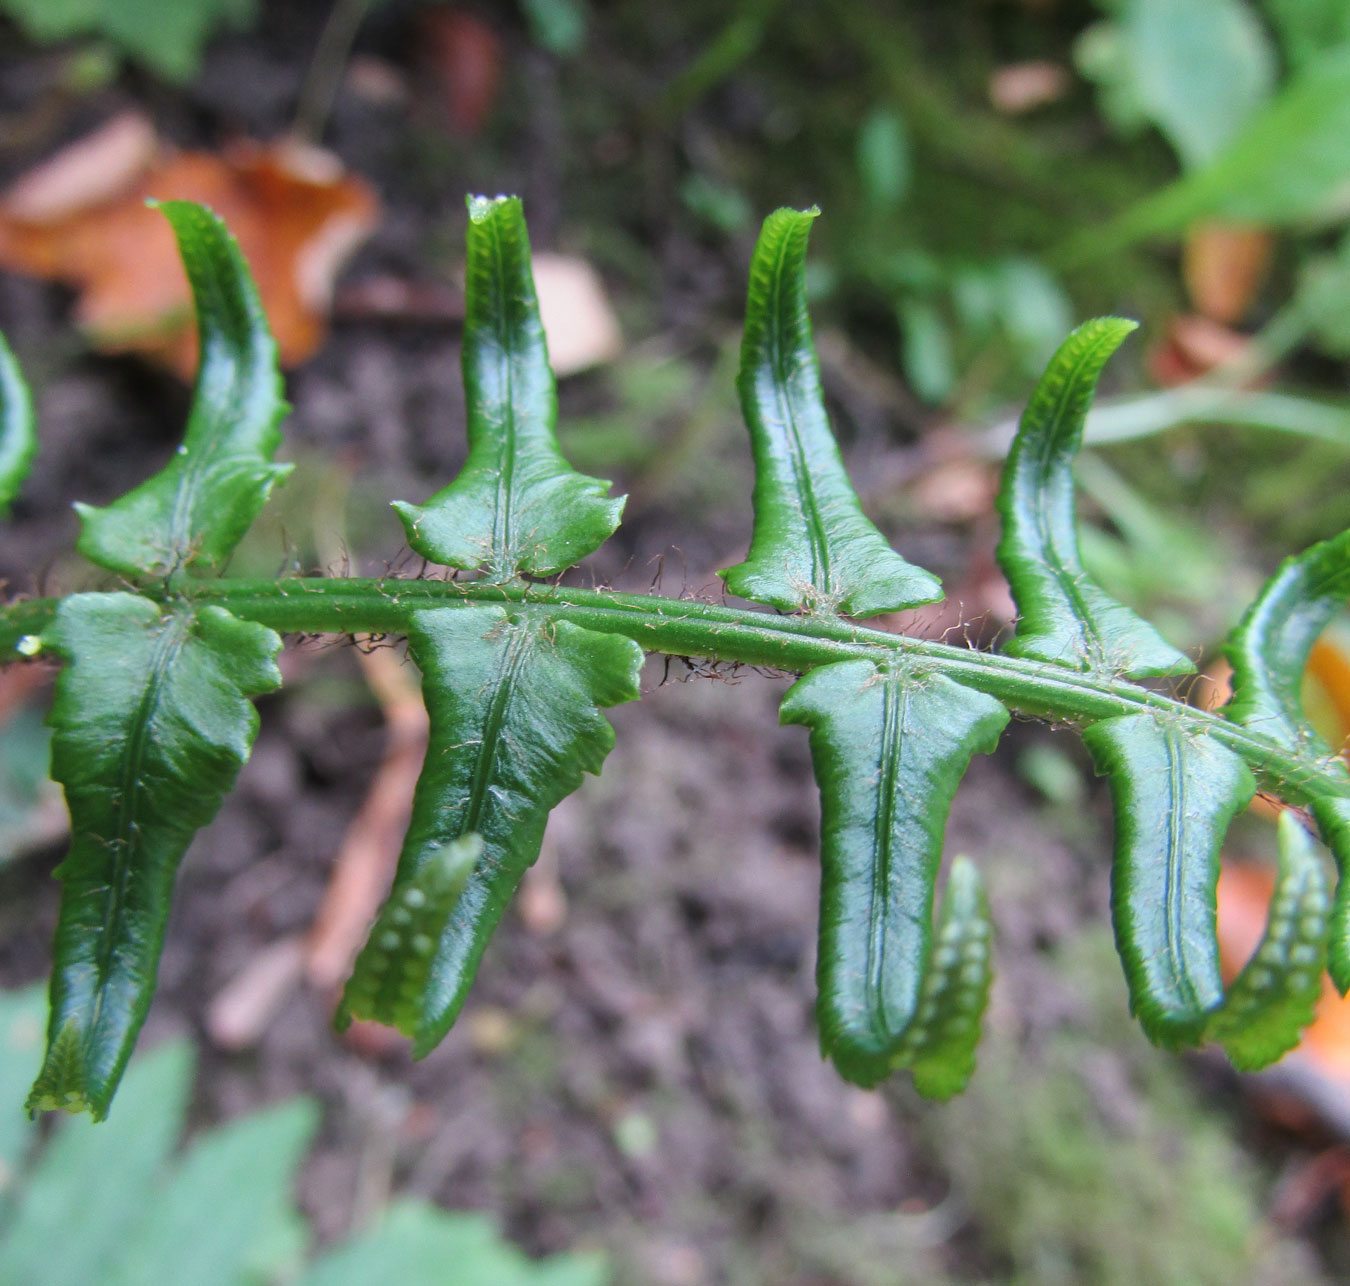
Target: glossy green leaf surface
(1063,617)
(1332,815)
(1174,795)
(517,506)
(812,548)
(151,722)
(1272,1000)
(18,428)
(889,749)
(393,972)
(940,1044)
(514,702)
(1269,649)
(194,511)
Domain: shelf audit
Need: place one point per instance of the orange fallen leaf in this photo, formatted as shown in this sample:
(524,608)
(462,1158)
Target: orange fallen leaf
(81,218)
(1224,265)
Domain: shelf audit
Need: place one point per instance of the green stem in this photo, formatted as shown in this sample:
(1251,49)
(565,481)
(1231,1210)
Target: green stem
(686,627)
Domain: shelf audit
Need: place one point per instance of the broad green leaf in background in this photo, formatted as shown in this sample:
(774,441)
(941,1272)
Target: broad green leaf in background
(223,1216)
(193,512)
(414,1243)
(167,38)
(1174,795)
(517,506)
(1308,27)
(1199,69)
(1273,998)
(23,1021)
(515,720)
(1063,616)
(812,548)
(557,25)
(889,749)
(18,429)
(151,722)
(94,1181)
(1287,166)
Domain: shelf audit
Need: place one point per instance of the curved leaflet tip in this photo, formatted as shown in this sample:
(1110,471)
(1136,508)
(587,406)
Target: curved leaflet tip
(1273,998)
(18,429)
(889,748)
(1174,795)
(517,506)
(812,548)
(1063,616)
(195,510)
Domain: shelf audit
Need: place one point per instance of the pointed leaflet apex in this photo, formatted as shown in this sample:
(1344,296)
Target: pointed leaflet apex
(193,512)
(1063,617)
(1174,795)
(889,748)
(812,547)
(150,724)
(514,704)
(517,506)
(18,435)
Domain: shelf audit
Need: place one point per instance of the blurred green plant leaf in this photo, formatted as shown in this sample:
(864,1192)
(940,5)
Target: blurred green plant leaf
(93,1183)
(1287,166)
(18,429)
(557,25)
(415,1244)
(1199,70)
(1308,27)
(166,38)
(885,163)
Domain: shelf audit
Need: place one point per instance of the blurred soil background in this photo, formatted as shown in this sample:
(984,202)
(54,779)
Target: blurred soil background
(637,1070)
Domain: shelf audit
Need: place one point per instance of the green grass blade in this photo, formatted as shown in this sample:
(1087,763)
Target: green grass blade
(812,548)
(18,428)
(517,506)
(889,749)
(1272,1000)
(151,722)
(195,510)
(514,703)
(1174,795)
(1063,617)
